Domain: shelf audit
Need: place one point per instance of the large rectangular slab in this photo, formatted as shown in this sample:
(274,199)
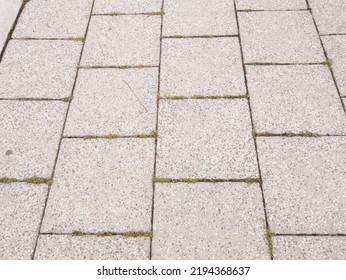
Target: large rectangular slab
(126,7)
(21,209)
(304,183)
(101,185)
(66,247)
(209,221)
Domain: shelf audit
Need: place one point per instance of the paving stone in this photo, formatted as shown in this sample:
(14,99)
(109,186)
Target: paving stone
(205,139)
(39,69)
(101,185)
(310,247)
(21,209)
(8,13)
(201,67)
(123,40)
(103,104)
(30,137)
(54,19)
(336,50)
(67,247)
(295,98)
(199,17)
(280,37)
(126,7)
(304,184)
(218,221)
(330,16)
(270,4)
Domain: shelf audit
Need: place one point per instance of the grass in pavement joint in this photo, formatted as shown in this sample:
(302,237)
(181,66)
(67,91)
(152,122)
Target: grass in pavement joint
(135,234)
(67,98)
(152,134)
(104,233)
(160,13)
(328,63)
(269,237)
(304,133)
(78,233)
(31,180)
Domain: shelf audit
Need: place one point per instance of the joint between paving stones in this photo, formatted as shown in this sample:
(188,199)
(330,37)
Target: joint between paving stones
(127,234)
(118,67)
(80,39)
(203,180)
(244,96)
(197,36)
(112,14)
(304,133)
(152,134)
(31,180)
(33,99)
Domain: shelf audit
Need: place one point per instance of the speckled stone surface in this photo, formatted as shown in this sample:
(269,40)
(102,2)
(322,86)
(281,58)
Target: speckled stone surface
(205,139)
(309,247)
(30,135)
(217,221)
(206,67)
(304,183)
(270,4)
(295,98)
(21,209)
(199,17)
(336,51)
(330,16)
(8,13)
(279,37)
(126,7)
(66,247)
(123,40)
(39,69)
(101,185)
(104,103)
(54,19)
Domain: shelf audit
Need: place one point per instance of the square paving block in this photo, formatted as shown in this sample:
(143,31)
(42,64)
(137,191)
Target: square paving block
(54,19)
(309,247)
(336,51)
(30,136)
(330,16)
(304,182)
(270,4)
(123,40)
(201,67)
(114,101)
(209,221)
(205,139)
(39,69)
(101,185)
(67,247)
(199,17)
(126,7)
(21,209)
(295,98)
(280,37)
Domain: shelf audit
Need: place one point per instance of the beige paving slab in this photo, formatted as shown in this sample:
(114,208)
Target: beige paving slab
(101,185)
(66,247)
(114,101)
(123,40)
(21,209)
(304,183)
(30,137)
(54,19)
(39,69)
(8,13)
(208,67)
(126,7)
(270,4)
(199,17)
(309,247)
(217,221)
(205,139)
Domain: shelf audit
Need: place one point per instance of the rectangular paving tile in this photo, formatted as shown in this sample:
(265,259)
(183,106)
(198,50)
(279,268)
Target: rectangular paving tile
(217,221)
(101,185)
(21,209)
(304,184)
(54,19)
(199,17)
(205,139)
(123,40)
(309,247)
(336,50)
(295,98)
(114,101)
(30,137)
(126,7)
(39,69)
(280,37)
(67,247)
(270,4)
(330,16)
(205,67)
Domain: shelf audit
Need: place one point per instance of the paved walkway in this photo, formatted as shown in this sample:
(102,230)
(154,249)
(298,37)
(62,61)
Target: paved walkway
(174,129)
